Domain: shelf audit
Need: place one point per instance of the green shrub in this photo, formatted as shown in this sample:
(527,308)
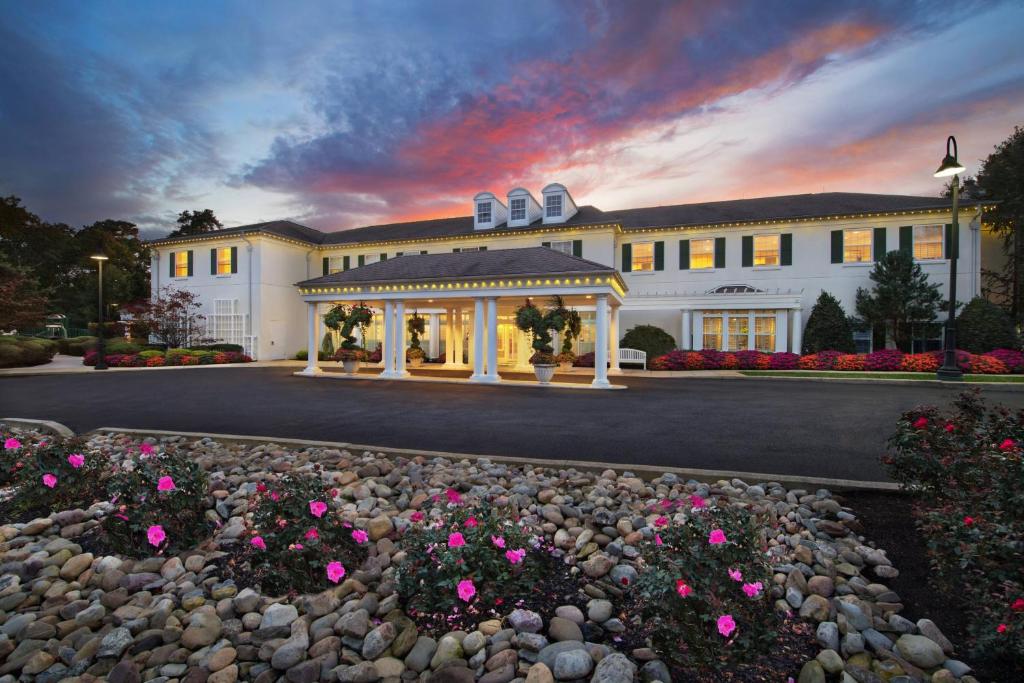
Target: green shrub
(828,328)
(25,351)
(178,352)
(704,599)
(294,556)
(151,353)
(76,346)
(52,475)
(654,340)
(302,354)
(121,347)
(218,347)
(983,326)
(141,505)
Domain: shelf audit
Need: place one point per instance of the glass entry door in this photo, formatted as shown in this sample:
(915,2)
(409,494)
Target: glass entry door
(507,337)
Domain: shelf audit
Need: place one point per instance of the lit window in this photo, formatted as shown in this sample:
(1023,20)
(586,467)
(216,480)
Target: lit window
(928,242)
(764,333)
(517,207)
(643,257)
(739,331)
(702,254)
(766,250)
(465,249)
(224,261)
(553,205)
(370,258)
(857,245)
(564,247)
(181,264)
(335,264)
(712,333)
(483,212)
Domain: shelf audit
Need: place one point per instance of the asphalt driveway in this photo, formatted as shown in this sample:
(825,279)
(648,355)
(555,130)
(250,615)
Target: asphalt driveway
(787,427)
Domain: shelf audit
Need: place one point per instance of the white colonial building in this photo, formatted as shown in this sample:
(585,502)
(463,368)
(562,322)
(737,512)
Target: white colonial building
(728,275)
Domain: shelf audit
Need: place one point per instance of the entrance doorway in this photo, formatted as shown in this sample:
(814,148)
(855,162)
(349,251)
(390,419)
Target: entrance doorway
(508,335)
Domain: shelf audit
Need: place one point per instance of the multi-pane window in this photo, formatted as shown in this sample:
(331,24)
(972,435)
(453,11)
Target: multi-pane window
(224,261)
(517,209)
(927,242)
(766,250)
(739,331)
(565,246)
(181,264)
(857,245)
(483,212)
(712,333)
(643,257)
(553,205)
(702,254)
(335,264)
(764,333)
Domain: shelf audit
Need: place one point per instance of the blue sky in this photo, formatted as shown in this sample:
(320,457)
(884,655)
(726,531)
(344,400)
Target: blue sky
(346,114)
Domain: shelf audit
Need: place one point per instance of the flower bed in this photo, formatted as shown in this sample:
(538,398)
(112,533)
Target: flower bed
(322,564)
(156,359)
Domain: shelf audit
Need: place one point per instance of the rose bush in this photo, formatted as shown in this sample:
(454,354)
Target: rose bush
(52,474)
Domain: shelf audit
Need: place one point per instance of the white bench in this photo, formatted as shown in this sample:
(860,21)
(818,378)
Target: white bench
(633,356)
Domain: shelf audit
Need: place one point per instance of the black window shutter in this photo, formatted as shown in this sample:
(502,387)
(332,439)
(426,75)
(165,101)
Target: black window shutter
(546,244)
(684,254)
(213,262)
(837,246)
(171,271)
(748,251)
(719,252)
(423,252)
(577,248)
(362,260)
(483,248)
(907,239)
(398,253)
(950,246)
(383,257)
(786,248)
(234,259)
(456,250)
(346,262)
(327,265)
(880,245)
(659,256)
(190,262)
(627,257)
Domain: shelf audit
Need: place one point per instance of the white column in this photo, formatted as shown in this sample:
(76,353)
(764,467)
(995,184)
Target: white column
(388,344)
(478,340)
(449,336)
(460,336)
(781,330)
(798,330)
(698,331)
(312,349)
(750,330)
(400,370)
(492,340)
(601,344)
(613,332)
(434,324)
(686,343)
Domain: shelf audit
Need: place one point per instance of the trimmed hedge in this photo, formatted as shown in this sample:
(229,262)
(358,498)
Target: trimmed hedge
(19,352)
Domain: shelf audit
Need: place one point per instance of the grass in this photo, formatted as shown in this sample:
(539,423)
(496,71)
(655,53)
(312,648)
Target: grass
(838,374)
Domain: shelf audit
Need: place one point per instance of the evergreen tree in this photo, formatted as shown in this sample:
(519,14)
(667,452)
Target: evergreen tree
(196,223)
(901,297)
(828,327)
(983,326)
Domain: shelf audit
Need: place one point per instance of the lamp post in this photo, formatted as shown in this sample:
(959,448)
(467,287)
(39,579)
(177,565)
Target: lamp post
(101,360)
(950,166)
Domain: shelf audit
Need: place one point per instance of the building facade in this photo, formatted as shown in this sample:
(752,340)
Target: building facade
(730,275)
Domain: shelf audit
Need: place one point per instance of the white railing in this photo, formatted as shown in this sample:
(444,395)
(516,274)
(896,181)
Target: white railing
(249,347)
(633,356)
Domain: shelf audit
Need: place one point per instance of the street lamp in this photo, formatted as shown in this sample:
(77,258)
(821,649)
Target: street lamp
(951,166)
(101,360)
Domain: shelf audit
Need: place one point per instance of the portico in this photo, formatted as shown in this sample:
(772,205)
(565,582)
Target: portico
(469,300)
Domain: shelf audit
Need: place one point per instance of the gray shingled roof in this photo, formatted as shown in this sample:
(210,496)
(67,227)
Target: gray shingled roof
(788,207)
(525,262)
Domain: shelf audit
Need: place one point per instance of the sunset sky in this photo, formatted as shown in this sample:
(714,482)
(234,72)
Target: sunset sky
(338,115)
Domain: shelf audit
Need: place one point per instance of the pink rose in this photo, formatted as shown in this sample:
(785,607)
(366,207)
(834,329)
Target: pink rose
(752,590)
(12,444)
(515,556)
(76,460)
(697,502)
(920,423)
(165,484)
(456,540)
(360,536)
(657,540)
(258,542)
(466,590)
(471,522)
(1007,445)
(156,535)
(498,541)
(335,571)
(726,625)
(49,480)
(317,508)
(735,575)
(146,449)
(453,496)
(416,516)
(312,535)
(716,537)
(661,521)
(683,588)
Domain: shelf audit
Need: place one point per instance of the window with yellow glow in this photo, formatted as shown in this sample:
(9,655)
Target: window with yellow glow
(928,242)
(181,264)
(643,256)
(766,250)
(739,332)
(702,254)
(224,261)
(764,333)
(712,333)
(857,245)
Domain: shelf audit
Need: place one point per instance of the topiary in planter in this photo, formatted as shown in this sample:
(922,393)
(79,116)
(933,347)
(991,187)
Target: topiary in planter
(654,340)
(983,326)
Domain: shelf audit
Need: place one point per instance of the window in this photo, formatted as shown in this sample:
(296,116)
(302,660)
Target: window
(553,205)
(702,254)
(643,257)
(764,333)
(224,261)
(927,242)
(517,207)
(712,333)
(857,245)
(181,263)
(483,212)
(370,258)
(565,246)
(739,331)
(335,264)
(473,249)
(766,250)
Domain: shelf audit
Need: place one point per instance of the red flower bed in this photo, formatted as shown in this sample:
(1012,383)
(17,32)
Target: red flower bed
(986,365)
(850,361)
(884,360)
(920,362)
(784,361)
(1013,360)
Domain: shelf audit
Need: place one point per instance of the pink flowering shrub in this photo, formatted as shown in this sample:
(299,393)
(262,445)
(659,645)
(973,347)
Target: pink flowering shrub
(300,537)
(784,361)
(49,474)
(703,589)
(965,469)
(1013,360)
(752,360)
(884,360)
(479,545)
(156,488)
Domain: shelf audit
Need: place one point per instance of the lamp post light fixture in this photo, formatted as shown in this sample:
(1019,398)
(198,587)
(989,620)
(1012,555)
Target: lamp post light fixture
(951,166)
(101,360)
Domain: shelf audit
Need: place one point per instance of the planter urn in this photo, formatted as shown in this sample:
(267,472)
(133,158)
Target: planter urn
(544,373)
(351,367)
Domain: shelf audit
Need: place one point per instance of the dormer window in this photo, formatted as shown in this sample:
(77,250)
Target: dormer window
(483,212)
(488,211)
(517,208)
(553,205)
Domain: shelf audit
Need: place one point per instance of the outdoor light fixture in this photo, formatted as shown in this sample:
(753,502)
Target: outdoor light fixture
(950,166)
(101,361)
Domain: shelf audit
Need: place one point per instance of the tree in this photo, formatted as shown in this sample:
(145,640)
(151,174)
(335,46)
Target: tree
(983,326)
(44,250)
(22,304)
(196,223)
(901,297)
(650,338)
(828,327)
(174,318)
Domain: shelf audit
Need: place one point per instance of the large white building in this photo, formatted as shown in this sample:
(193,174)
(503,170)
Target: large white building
(729,275)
